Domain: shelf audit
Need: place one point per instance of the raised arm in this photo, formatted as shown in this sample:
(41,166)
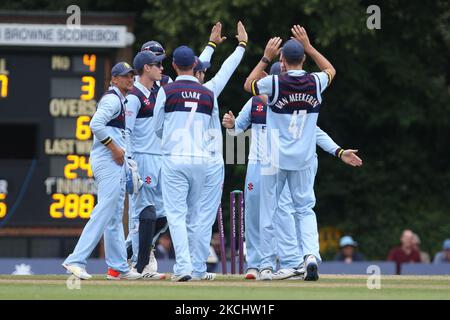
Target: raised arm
(215,38)
(219,81)
(322,63)
(271,51)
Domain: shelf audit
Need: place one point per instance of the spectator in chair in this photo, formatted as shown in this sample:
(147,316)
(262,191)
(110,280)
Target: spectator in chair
(347,252)
(444,255)
(405,253)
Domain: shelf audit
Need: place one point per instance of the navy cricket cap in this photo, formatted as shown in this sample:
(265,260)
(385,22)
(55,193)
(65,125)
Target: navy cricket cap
(184,56)
(201,65)
(153,46)
(146,57)
(275,69)
(293,49)
(122,69)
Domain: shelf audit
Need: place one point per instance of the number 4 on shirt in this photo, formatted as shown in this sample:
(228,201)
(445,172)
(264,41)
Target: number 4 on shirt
(294,129)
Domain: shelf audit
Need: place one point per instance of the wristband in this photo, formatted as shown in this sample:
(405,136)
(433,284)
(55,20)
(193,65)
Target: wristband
(243,44)
(265,60)
(254,88)
(212,44)
(340,153)
(106,141)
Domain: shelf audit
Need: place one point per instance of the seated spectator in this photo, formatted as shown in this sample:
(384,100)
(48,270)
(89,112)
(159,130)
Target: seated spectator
(444,255)
(164,248)
(405,252)
(424,256)
(348,252)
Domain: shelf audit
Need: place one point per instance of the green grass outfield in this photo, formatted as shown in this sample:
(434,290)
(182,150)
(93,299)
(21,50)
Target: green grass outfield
(227,287)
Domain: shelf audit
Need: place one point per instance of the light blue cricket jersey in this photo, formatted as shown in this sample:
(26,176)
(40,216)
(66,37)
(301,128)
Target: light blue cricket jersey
(140,134)
(216,85)
(183,116)
(254,114)
(294,105)
(108,121)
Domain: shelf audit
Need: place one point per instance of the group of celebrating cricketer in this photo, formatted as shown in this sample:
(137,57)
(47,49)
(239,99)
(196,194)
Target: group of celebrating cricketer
(160,142)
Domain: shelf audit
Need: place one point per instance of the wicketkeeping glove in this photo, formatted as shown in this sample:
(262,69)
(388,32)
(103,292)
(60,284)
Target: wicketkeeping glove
(134,181)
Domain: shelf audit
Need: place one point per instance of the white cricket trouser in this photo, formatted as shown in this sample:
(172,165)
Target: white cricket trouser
(209,204)
(301,185)
(183,179)
(106,218)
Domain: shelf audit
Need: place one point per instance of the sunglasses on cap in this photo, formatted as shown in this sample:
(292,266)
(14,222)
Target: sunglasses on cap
(157,50)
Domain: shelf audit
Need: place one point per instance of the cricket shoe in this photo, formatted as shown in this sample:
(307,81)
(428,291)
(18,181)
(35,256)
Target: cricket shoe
(148,274)
(284,274)
(312,269)
(207,276)
(251,274)
(181,277)
(77,271)
(153,276)
(299,273)
(265,275)
(302,277)
(116,275)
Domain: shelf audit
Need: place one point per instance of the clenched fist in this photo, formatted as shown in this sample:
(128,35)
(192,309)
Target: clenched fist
(228,120)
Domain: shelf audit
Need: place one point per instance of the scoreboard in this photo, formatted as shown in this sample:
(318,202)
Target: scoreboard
(47,100)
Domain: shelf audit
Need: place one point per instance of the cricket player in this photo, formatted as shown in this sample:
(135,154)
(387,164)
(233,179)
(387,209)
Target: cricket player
(294,105)
(143,146)
(153,148)
(254,114)
(156,48)
(183,115)
(107,161)
(212,193)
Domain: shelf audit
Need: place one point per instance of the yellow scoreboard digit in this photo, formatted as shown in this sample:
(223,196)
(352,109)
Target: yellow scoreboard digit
(76,162)
(83,130)
(90,60)
(3,206)
(3,85)
(71,206)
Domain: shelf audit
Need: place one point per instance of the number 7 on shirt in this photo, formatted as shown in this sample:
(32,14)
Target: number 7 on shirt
(193,106)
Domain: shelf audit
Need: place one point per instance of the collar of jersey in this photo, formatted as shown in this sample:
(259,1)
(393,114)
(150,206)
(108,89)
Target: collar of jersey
(296,72)
(186,77)
(122,98)
(143,89)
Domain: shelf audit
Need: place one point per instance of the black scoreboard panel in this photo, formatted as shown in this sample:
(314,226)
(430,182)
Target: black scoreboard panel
(46,103)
